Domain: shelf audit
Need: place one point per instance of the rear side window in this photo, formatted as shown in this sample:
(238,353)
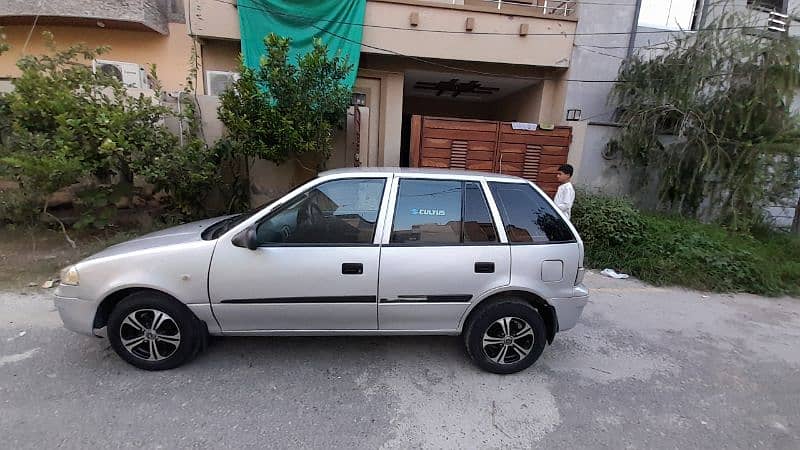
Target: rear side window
(527,216)
(441,212)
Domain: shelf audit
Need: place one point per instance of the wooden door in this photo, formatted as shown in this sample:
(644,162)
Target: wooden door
(453,143)
(491,147)
(533,155)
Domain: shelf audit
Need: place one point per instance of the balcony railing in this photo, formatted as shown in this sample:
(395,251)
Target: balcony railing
(150,14)
(549,7)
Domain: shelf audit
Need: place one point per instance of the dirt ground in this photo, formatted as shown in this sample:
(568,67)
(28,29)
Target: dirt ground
(35,255)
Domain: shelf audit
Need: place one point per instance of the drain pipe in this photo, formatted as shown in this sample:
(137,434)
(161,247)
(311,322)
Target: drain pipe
(704,12)
(634,28)
(180,118)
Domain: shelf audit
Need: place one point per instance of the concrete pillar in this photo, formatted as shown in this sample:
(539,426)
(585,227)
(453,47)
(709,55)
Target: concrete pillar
(391,119)
(576,148)
(551,108)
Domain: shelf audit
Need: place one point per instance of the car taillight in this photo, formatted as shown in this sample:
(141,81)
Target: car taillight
(579,277)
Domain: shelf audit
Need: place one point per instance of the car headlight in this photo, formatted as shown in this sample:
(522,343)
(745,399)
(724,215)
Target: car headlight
(69,276)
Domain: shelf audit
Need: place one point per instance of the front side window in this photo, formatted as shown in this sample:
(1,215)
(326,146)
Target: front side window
(527,216)
(441,212)
(335,212)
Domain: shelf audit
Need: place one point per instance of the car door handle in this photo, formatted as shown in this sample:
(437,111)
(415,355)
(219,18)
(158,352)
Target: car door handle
(484,267)
(352,269)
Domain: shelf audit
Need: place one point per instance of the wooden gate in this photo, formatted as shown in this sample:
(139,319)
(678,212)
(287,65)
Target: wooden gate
(491,147)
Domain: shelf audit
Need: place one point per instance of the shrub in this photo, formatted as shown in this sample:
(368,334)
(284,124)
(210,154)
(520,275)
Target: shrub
(16,206)
(63,124)
(606,221)
(675,251)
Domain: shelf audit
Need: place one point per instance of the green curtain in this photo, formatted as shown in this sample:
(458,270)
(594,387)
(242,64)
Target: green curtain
(335,22)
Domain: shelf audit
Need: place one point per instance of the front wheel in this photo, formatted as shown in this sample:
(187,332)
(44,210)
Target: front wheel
(505,337)
(154,332)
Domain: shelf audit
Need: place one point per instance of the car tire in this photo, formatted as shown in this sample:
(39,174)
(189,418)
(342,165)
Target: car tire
(178,336)
(505,336)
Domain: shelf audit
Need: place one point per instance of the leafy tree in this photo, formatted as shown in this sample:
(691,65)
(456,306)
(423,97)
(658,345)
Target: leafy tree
(724,94)
(67,124)
(191,172)
(282,111)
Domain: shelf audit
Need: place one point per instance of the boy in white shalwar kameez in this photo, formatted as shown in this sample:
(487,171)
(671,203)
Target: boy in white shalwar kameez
(565,196)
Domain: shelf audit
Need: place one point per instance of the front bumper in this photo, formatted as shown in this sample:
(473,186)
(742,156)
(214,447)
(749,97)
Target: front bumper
(569,310)
(77,314)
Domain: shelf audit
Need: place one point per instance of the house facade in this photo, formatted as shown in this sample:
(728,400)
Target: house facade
(139,32)
(470,59)
(531,61)
(465,59)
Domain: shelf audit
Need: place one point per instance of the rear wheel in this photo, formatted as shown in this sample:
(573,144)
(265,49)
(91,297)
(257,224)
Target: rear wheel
(154,332)
(505,336)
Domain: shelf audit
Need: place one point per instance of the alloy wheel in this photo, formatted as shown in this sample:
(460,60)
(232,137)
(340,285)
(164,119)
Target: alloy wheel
(150,334)
(508,340)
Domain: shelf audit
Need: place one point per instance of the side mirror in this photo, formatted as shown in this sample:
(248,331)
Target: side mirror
(246,239)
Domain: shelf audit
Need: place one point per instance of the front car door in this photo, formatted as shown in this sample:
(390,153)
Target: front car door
(440,250)
(316,268)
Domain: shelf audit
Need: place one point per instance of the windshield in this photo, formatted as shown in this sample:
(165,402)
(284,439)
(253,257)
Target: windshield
(223,226)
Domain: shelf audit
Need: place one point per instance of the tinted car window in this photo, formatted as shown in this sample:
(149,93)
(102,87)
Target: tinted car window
(428,212)
(527,216)
(478,225)
(336,212)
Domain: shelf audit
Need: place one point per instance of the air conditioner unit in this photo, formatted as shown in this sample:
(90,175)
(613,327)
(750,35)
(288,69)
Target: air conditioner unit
(778,22)
(131,75)
(217,81)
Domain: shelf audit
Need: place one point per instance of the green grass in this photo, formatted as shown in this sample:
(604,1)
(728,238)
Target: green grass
(678,251)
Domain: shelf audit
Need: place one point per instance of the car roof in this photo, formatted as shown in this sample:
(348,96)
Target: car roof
(364,171)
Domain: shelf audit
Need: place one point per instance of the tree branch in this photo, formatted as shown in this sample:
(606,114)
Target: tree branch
(63,230)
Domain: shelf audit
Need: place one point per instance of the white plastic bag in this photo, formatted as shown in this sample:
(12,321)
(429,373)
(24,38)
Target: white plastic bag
(611,273)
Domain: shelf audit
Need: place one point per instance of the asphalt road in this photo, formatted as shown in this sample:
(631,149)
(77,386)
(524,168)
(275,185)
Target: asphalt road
(645,368)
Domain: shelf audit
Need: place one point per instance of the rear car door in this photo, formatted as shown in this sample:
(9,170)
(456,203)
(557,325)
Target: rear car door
(440,250)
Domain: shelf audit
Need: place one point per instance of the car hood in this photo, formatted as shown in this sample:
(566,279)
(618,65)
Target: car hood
(181,234)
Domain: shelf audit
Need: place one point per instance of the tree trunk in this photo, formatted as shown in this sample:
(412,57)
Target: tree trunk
(796,221)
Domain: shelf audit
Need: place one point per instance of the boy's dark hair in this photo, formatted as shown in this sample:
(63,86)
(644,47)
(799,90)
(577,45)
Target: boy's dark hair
(566,168)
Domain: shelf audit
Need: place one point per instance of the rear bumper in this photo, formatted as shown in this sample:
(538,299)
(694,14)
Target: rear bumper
(569,310)
(77,314)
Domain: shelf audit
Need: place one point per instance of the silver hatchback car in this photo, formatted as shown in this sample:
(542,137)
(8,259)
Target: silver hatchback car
(352,252)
